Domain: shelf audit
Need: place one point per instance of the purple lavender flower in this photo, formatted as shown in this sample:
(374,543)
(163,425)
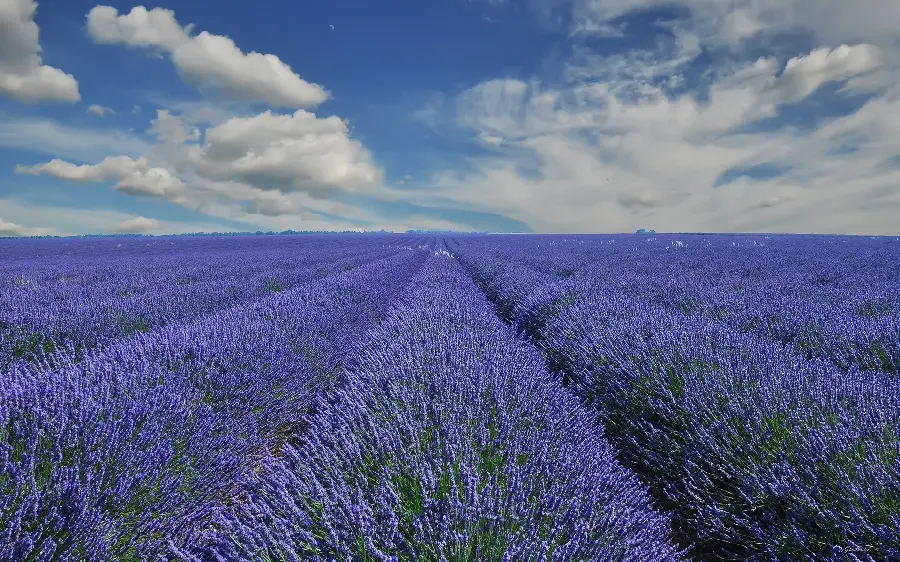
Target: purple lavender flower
(448,441)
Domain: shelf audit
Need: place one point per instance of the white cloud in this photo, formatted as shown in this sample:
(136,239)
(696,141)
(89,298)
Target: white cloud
(72,220)
(134,176)
(169,129)
(728,23)
(156,28)
(235,199)
(196,112)
(75,143)
(804,74)
(22,76)
(621,143)
(260,168)
(268,152)
(137,225)
(99,110)
(638,138)
(210,62)
(12,229)
(614,149)
(350,218)
(632,71)
(297,152)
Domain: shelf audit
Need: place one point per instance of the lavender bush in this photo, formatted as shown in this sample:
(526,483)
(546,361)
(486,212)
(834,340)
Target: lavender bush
(135,446)
(84,300)
(762,451)
(448,442)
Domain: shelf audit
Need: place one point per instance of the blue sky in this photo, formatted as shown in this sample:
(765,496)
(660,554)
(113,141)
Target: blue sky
(501,115)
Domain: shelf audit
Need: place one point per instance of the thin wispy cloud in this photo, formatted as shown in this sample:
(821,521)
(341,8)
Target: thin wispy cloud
(549,147)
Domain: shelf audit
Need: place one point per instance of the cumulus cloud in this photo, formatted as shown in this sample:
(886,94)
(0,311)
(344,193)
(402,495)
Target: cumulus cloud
(235,199)
(209,62)
(22,76)
(99,110)
(297,152)
(130,175)
(137,225)
(268,152)
(267,166)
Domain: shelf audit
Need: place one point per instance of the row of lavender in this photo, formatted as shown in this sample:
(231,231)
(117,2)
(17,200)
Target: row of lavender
(836,298)
(132,448)
(107,288)
(447,441)
(761,451)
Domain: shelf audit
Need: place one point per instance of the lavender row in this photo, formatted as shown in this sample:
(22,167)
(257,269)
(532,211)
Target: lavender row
(134,447)
(33,327)
(448,441)
(37,320)
(834,298)
(102,268)
(764,454)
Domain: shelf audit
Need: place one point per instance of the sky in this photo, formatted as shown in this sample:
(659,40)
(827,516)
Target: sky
(572,116)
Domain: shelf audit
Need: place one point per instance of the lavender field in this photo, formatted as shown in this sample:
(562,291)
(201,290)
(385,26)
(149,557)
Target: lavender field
(406,397)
